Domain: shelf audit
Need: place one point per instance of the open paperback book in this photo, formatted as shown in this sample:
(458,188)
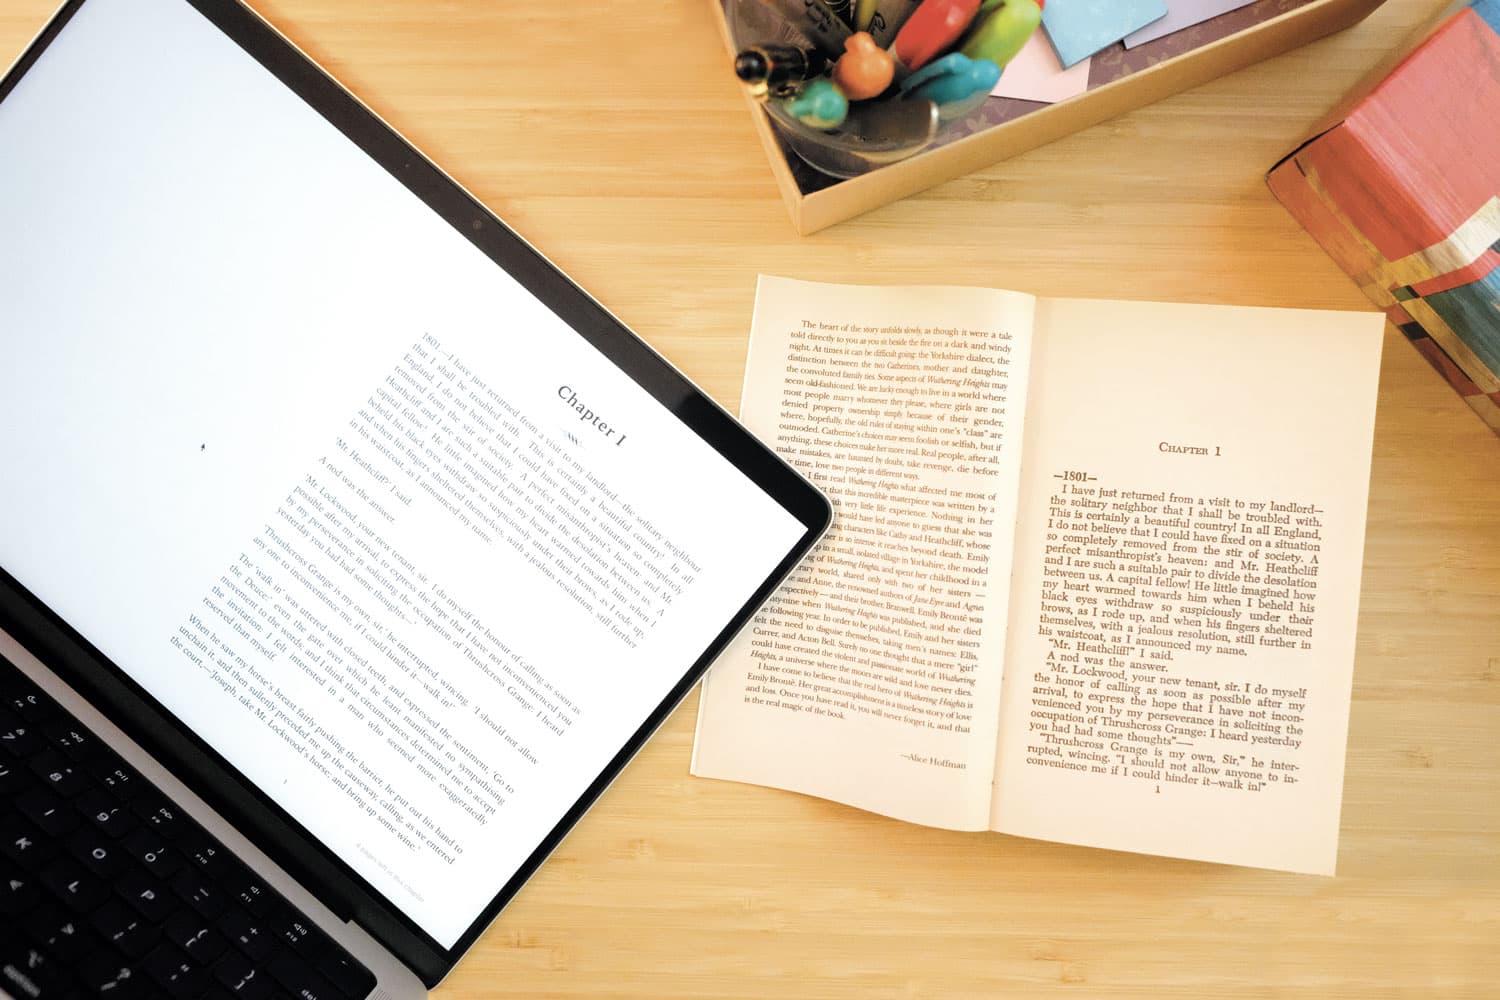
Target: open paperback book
(1095,573)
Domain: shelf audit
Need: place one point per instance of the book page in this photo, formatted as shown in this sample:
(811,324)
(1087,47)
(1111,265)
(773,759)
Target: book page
(873,677)
(1187,580)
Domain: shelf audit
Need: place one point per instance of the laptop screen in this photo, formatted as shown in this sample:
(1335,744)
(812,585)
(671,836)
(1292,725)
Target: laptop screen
(410,553)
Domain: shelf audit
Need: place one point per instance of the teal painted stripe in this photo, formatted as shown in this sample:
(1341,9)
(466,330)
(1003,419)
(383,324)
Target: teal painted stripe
(1473,312)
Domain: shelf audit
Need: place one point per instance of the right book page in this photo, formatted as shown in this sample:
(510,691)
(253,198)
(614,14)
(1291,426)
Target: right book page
(1186,580)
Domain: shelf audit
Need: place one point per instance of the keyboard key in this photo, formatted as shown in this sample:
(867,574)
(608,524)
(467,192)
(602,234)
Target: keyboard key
(58,773)
(150,898)
(248,890)
(33,707)
(73,885)
(26,970)
(98,853)
(19,891)
(241,978)
(201,893)
(47,811)
(24,844)
(60,933)
(159,815)
(150,849)
(299,978)
(208,857)
(247,934)
(120,780)
(18,738)
(12,777)
(196,936)
(292,930)
(104,975)
(124,928)
(175,972)
(74,741)
(106,812)
(351,978)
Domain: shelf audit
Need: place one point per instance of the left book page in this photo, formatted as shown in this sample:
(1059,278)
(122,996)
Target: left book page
(873,677)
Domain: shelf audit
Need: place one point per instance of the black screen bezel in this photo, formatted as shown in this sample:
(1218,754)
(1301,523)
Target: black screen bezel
(266,824)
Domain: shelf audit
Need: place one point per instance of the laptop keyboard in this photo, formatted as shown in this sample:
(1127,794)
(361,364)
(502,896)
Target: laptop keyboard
(107,889)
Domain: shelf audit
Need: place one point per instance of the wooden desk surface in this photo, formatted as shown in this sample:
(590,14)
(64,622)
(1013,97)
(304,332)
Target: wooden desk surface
(615,140)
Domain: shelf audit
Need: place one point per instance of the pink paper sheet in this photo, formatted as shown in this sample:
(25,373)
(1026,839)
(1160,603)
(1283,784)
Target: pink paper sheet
(1035,74)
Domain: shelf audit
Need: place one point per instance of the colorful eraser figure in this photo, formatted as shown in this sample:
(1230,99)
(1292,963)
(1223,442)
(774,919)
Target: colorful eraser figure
(951,79)
(819,105)
(1001,33)
(931,30)
(865,69)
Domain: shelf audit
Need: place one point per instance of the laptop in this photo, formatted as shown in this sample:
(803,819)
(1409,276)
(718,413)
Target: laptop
(348,550)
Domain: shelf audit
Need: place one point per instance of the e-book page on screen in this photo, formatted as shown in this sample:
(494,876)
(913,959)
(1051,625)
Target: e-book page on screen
(385,532)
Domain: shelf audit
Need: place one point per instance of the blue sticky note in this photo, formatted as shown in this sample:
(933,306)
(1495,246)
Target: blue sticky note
(1079,28)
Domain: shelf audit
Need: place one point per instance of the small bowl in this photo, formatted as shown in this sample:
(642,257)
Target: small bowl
(875,133)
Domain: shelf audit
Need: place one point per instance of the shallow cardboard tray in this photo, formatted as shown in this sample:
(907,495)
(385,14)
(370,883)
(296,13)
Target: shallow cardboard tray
(817,201)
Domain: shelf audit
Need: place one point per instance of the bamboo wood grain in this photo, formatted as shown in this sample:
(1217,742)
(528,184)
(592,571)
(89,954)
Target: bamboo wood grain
(613,138)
